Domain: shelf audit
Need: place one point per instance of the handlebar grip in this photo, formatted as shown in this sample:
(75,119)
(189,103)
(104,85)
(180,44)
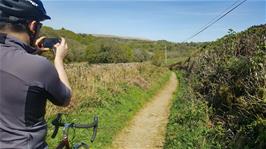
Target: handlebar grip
(83,125)
(55,132)
(96,119)
(56,123)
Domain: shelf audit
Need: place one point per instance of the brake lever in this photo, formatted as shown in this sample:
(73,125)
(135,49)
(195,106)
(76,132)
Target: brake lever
(95,127)
(56,123)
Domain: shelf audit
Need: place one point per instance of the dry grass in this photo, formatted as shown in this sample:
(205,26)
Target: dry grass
(91,82)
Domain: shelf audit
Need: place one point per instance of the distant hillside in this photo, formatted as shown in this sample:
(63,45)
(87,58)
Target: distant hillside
(114,49)
(121,37)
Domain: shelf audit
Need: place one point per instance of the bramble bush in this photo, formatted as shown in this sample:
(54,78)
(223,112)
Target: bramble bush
(231,76)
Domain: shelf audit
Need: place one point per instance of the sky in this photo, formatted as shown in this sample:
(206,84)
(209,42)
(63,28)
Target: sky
(174,20)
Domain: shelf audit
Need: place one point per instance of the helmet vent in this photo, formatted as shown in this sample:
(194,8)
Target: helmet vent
(7,4)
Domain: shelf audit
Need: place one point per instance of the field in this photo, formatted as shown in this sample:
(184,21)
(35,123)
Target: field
(114,92)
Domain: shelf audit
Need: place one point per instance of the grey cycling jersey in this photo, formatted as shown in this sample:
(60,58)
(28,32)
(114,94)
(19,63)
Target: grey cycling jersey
(26,81)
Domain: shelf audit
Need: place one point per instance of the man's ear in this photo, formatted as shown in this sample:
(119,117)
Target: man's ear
(32,26)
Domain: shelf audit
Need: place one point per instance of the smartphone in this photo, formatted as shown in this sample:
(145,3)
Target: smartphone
(50,42)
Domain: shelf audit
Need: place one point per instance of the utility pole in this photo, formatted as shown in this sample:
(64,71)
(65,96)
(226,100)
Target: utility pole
(165,54)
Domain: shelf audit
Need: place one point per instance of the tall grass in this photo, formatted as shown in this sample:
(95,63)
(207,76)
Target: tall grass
(89,82)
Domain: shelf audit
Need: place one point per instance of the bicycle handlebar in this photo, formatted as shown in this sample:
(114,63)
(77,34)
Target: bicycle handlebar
(57,122)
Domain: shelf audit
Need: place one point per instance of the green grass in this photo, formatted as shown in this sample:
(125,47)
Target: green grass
(188,120)
(171,61)
(112,117)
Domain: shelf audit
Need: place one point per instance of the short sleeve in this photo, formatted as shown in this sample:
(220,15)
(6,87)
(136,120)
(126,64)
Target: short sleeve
(55,90)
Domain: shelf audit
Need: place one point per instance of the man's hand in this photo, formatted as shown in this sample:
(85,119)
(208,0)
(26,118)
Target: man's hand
(61,49)
(38,45)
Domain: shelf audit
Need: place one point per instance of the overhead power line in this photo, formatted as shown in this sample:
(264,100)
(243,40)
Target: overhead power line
(223,12)
(216,19)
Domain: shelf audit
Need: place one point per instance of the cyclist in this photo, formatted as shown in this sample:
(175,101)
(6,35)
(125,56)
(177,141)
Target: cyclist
(27,80)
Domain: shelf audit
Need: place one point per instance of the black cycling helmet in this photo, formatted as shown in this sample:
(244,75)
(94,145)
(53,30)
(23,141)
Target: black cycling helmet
(22,10)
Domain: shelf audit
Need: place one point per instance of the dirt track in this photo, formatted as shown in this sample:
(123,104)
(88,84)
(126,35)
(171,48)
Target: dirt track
(147,129)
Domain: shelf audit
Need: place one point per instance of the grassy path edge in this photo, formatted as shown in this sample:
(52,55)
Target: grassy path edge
(112,118)
(188,120)
(149,124)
